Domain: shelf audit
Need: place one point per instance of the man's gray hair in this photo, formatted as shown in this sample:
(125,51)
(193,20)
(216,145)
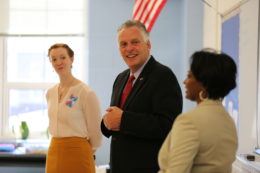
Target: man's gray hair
(131,23)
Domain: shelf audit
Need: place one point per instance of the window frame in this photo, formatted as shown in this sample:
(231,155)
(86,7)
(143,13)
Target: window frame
(6,86)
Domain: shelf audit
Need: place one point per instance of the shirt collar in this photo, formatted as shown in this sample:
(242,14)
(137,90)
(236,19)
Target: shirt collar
(138,72)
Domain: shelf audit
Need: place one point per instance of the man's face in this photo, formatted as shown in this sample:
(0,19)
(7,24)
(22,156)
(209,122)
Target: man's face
(133,48)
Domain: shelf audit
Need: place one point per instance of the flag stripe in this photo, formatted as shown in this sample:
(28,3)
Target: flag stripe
(155,13)
(140,9)
(147,11)
(144,11)
(137,7)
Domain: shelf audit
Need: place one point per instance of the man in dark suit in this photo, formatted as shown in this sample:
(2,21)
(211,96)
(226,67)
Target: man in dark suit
(139,125)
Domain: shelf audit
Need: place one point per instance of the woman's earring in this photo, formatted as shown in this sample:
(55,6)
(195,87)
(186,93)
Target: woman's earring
(201,96)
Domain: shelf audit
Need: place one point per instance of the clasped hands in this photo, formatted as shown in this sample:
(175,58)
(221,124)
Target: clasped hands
(112,119)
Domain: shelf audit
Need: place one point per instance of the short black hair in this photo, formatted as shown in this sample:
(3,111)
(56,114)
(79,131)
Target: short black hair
(216,71)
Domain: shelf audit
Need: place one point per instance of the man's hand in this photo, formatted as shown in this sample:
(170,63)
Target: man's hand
(112,119)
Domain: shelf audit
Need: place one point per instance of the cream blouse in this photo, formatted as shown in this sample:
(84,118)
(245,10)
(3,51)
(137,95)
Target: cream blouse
(78,114)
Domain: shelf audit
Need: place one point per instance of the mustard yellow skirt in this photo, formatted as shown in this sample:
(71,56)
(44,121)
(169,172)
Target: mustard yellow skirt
(70,155)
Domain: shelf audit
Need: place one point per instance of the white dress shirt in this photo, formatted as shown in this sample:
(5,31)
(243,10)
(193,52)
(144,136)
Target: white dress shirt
(77,115)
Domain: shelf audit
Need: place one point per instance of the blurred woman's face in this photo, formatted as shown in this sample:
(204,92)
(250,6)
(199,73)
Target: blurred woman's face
(193,87)
(61,61)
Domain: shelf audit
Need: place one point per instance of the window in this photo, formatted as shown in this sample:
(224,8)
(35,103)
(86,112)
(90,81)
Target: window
(230,45)
(248,115)
(31,27)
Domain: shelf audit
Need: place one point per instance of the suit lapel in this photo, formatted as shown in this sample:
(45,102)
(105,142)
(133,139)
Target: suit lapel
(141,80)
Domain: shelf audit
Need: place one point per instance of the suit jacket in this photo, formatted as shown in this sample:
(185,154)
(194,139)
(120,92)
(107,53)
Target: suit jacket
(149,111)
(203,140)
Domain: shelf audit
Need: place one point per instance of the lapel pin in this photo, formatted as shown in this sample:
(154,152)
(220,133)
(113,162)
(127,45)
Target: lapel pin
(141,78)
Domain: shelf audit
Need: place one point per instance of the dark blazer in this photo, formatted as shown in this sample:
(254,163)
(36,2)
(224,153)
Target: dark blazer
(149,111)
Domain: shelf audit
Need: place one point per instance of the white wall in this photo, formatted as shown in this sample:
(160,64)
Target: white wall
(225,6)
(213,17)
(211,28)
(215,11)
(248,75)
(4,15)
(3,28)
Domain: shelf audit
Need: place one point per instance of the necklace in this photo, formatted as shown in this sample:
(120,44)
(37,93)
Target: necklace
(62,91)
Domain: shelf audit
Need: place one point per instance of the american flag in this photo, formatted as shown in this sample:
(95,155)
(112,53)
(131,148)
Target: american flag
(147,11)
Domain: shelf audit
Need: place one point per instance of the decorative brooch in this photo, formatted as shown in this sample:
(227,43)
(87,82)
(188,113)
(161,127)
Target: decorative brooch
(72,99)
